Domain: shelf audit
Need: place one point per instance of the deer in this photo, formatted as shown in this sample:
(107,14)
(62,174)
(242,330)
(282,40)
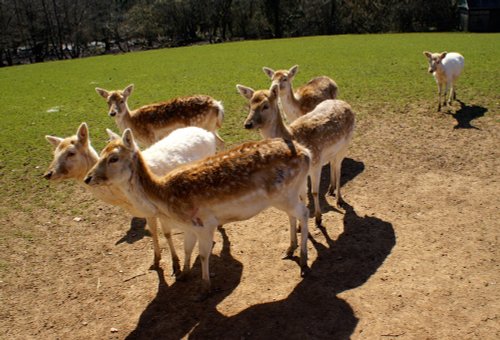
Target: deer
(152,122)
(326,132)
(232,185)
(446,68)
(74,156)
(303,100)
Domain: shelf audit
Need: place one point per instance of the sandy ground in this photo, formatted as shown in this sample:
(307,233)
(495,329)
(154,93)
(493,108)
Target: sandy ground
(413,255)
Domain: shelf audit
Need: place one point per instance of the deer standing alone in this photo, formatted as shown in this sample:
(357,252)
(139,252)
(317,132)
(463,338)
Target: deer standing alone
(74,156)
(326,132)
(231,186)
(446,68)
(152,122)
(303,100)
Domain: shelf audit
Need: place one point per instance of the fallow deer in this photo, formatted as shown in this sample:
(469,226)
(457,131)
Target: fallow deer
(303,100)
(233,185)
(152,122)
(74,156)
(446,68)
(326,132)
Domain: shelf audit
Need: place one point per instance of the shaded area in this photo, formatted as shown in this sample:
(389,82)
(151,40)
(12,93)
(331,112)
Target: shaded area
(350,169)
(466,114)
(313,310)
(136,232)
(175,311)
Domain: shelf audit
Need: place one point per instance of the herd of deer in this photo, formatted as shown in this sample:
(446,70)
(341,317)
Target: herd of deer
(180,181)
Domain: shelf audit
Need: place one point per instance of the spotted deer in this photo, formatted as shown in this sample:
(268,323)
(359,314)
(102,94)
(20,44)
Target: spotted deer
(74,156)
(233,185)
(303,100)
(326,132)
(152,122)
(446,68)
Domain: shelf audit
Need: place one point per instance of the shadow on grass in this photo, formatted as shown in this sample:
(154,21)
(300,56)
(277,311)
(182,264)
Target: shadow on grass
(466,114)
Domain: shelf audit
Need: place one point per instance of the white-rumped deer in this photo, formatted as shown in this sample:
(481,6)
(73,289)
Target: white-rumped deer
(446,68)
(303,100)
(152,122)
(233,185)
(326,132)
(74,156)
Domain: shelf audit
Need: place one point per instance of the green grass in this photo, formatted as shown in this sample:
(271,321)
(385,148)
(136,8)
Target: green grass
(374,72)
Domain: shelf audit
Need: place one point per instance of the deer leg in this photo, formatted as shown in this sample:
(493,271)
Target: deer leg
(446,88)
(205,249)
(189,242)
(167,231)
(315,174)
(303,214)
(331,189)
(439,96)
(153,226)
(293,236)
(338,175)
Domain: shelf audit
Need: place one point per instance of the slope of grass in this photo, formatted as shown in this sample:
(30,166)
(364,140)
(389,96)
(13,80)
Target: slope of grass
(374,72)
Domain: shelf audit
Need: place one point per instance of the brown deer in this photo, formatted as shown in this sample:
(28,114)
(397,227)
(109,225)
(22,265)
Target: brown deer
(326,132)
(152,122)
(297,103)
(231,186)
(74,156)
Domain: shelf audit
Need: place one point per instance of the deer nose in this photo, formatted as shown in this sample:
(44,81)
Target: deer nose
(48,175)
(248,125)
(112,113)
(87,179)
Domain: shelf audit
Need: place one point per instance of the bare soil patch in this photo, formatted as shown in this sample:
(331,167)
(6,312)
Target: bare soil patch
(413,255)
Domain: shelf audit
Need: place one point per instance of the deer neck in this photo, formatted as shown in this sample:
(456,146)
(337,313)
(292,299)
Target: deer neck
(143,189)
(290,104)
(123,120)
(276,128)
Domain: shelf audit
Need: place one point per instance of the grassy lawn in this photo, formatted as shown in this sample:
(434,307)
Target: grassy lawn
(374,72)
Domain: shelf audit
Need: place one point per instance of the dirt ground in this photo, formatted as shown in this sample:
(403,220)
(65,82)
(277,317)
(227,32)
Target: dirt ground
(413,255)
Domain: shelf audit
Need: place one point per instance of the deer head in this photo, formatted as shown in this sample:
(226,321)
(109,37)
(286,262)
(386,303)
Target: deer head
(263,106)
(115,163)
(73,156)
(117,100)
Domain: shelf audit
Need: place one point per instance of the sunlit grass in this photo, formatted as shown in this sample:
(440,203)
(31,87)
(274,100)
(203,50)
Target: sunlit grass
(374,72)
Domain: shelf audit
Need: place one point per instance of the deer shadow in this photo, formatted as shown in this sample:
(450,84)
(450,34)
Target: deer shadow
(466,114)
(313,309)
(350,169)
(136,232)
(175,309)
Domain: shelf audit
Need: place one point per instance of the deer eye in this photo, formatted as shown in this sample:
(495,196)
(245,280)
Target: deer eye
(285,79)
(113,159)
(71,153)
(265,106)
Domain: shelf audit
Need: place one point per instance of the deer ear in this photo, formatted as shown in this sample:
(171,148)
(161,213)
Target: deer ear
(128,139)
(83,134)
(246,92)
(102,92)
(128,90)
(55,141)
(427,54)
(274,91)
(443,55)
(269,72)
(112,136)
(293,71)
